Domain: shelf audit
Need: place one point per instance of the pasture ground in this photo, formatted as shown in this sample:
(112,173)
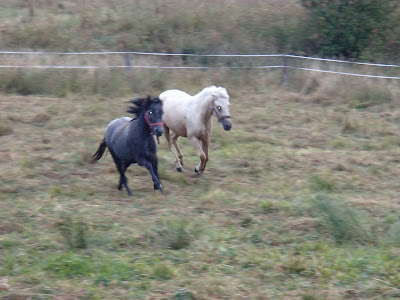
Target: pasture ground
(300,200)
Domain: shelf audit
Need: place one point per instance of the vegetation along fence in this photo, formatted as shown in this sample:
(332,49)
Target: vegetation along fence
(79,60)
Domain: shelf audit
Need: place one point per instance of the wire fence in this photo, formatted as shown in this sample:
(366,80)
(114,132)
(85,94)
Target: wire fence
(281,61)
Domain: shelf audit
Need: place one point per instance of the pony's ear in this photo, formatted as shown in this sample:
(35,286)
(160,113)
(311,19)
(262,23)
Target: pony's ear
(147,103)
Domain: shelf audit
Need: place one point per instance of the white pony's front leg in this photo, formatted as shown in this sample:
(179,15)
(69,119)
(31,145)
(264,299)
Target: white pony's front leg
(178,166)
(197,145)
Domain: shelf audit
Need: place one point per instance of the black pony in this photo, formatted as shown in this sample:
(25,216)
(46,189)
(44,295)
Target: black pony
(131,141)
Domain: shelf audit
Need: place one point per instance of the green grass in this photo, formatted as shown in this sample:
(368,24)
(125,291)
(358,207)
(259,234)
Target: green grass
(291,205)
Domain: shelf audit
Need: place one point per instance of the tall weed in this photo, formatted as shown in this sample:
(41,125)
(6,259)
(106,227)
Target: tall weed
(322,183)
(340,220)
(392,236)
(74,232)
(176,234)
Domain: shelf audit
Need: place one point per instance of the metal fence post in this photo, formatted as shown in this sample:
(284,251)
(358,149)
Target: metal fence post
(128,63)
(285,72)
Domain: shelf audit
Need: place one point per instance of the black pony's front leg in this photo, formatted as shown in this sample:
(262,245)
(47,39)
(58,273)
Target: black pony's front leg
(152,158)
(153,172)
(154,164)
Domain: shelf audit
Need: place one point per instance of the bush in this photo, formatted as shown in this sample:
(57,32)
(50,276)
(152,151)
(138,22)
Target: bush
(345,28)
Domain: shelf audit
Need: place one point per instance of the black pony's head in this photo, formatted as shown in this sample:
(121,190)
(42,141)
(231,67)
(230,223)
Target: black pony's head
(151,108)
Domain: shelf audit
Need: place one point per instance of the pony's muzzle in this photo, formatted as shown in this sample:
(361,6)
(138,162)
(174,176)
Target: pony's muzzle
(158,130)
(226,124)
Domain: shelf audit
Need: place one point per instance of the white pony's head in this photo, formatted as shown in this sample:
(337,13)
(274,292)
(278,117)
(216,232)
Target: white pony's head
(221,105)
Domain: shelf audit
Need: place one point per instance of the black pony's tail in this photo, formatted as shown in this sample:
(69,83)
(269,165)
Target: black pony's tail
(99,153)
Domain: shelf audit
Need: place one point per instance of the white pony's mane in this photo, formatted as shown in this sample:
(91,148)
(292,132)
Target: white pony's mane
(215,90)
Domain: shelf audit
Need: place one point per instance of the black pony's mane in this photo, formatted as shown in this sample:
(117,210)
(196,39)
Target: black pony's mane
(141,104)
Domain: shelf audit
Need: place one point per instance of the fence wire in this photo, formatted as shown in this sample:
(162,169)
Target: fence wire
(287,63)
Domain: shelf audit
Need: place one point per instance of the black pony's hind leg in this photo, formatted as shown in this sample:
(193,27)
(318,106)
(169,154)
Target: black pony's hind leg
(123,181)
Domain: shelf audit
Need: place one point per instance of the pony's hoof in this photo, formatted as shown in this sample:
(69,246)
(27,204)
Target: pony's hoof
(158,187)
(180,170)
(119,188)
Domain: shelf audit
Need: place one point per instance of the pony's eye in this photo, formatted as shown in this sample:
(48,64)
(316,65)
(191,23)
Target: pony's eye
(150,112)
(219,107)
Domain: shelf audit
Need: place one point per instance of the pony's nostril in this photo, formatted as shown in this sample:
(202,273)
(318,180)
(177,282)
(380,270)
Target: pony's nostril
(159,131)
(227,127)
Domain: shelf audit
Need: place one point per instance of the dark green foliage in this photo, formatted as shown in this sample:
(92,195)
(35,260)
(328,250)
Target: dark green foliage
(346,28)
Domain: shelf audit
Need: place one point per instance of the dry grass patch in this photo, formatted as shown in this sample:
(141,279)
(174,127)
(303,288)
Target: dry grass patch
(238,230)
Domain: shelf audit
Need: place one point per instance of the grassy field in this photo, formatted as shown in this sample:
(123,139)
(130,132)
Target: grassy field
(300,200)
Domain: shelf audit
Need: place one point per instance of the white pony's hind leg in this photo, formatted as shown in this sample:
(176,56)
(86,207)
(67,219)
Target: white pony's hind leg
(171,139)
(178,150)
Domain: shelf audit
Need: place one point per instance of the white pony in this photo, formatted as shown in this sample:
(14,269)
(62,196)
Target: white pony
(190,116)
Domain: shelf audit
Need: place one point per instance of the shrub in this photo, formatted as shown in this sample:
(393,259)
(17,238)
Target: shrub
(346,28)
